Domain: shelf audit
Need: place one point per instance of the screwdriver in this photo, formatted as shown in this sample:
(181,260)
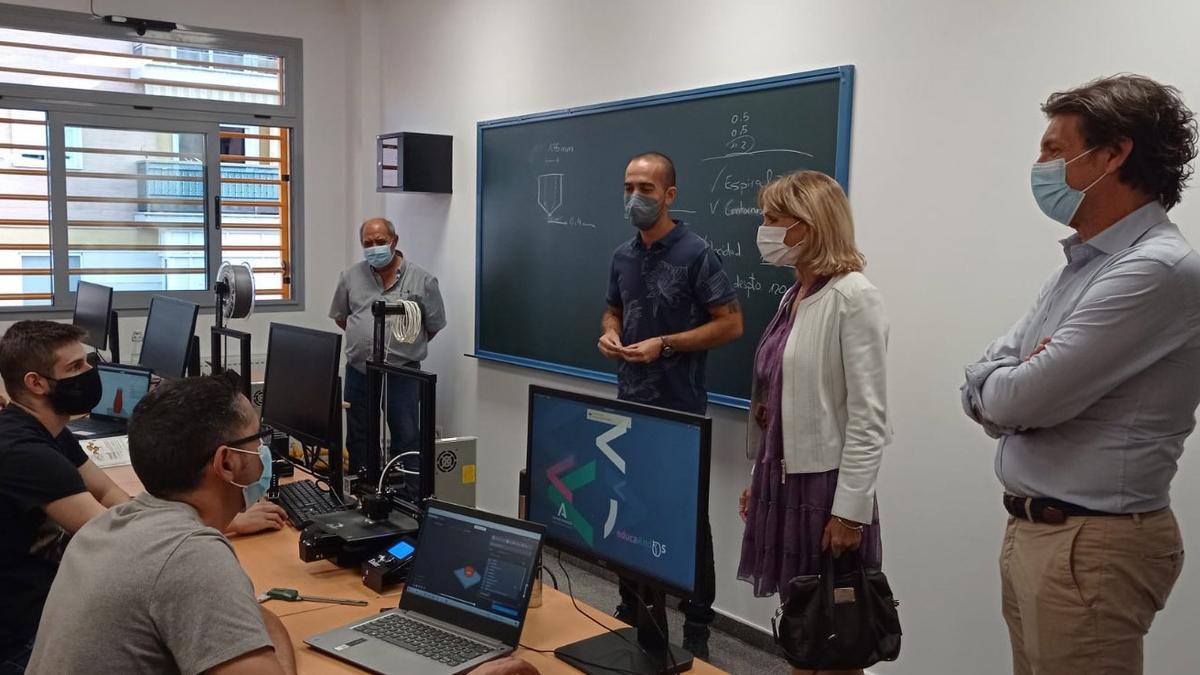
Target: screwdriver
(293,595)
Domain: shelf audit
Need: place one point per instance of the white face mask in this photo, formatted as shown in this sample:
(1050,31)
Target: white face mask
(772,248)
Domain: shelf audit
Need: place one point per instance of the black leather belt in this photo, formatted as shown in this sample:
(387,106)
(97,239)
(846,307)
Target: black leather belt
(1046,510)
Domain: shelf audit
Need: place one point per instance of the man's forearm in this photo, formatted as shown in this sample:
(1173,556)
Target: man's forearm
(720,330)
(725,325)
(281,640)
(114,497)
(103,488)
(611,322)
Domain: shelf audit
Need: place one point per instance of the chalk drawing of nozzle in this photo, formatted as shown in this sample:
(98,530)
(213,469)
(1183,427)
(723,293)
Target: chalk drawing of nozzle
(550,193)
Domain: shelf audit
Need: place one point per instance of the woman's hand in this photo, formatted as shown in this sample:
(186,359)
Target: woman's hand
(744,504)
(841,535)
(760,415)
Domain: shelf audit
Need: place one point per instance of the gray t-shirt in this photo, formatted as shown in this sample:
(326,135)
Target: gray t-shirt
(359,286)
(147,588)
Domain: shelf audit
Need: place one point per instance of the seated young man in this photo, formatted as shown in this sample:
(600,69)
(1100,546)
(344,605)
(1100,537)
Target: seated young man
(48,486)
(152,585)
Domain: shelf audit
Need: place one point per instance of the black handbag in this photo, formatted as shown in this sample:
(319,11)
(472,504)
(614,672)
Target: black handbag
(832,621)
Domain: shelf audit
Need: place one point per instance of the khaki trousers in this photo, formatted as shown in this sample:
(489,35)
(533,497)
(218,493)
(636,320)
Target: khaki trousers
(1079,597)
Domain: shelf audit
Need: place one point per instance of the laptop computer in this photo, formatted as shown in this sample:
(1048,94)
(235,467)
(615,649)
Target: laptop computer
(123,387)
(465,601)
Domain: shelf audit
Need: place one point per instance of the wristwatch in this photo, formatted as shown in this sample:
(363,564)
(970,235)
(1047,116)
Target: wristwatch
(667,350)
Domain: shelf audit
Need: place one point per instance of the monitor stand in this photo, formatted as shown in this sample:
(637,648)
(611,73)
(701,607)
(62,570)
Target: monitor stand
(114,338)
(619,652)
(193,360)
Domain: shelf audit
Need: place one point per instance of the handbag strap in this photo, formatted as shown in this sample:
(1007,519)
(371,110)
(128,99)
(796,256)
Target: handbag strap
(827,584)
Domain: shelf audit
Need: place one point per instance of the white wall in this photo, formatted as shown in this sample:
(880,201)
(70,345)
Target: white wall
(325,26)
(946,123)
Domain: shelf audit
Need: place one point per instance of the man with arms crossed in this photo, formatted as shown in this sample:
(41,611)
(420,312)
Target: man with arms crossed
(1093,392)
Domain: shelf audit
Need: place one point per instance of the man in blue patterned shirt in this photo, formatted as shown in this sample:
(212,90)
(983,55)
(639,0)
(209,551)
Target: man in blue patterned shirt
(669,302)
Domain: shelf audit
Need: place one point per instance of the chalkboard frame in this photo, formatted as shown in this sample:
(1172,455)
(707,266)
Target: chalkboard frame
(843,74)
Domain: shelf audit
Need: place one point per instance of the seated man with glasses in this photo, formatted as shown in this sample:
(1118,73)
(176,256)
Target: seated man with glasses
(152,585)
(49,486)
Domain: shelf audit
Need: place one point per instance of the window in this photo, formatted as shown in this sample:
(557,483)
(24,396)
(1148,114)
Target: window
(255,198)
(126,66)
(98,184)
(126,207)
(25,270)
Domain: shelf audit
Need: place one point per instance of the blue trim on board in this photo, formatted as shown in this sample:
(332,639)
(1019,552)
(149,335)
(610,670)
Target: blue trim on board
(596,375)
(841,160)
(478,226)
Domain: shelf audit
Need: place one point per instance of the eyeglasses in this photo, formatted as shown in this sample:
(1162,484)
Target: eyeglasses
(263,432)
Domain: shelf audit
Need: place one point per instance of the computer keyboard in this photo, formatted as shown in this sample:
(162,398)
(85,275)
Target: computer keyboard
(90,426)
(302,500)
(421,638)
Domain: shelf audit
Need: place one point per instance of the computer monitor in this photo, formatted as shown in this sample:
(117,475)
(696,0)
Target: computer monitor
(167,342)
(123,388)
(93,310)
(300,386)
(626,486)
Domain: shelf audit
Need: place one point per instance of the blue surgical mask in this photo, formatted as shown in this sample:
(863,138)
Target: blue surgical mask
(1054,196)
(641,210)
(254,491)
(379,256)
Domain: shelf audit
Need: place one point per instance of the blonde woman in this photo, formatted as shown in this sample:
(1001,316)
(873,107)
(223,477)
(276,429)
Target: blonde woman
(818,420)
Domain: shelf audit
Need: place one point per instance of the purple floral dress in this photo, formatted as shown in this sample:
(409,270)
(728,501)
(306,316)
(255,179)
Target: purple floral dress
(787,516)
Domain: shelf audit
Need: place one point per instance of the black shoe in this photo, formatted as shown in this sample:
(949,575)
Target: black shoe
(626,614)
(697,647)
(695,639)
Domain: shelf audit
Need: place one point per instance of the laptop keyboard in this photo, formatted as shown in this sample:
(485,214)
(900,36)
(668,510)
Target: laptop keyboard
(92,426)
(435,643)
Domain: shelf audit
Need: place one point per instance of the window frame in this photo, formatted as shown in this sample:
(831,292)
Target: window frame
(59,225)
(80,104)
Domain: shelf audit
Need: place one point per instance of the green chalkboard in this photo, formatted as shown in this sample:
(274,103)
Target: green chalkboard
(550,209)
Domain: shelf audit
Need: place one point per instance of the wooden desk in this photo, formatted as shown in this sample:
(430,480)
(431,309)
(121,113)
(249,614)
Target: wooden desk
(272,559)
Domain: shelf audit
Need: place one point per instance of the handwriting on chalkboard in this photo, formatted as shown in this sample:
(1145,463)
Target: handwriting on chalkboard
(757,152)
(574,221)
(727,181)
(751,285)
(742,143)
(729,249)
(733,207)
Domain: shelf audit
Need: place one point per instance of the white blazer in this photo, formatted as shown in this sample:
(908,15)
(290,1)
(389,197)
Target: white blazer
(835,392)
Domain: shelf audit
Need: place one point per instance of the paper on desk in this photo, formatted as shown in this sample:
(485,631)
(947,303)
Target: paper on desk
(106,452)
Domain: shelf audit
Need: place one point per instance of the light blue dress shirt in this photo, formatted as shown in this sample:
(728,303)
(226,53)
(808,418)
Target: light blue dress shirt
(1099,418)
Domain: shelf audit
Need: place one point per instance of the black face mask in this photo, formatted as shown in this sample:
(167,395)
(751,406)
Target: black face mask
(78,394)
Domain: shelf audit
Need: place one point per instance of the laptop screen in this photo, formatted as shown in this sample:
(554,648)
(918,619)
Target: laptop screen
(473,564)
(123,388)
